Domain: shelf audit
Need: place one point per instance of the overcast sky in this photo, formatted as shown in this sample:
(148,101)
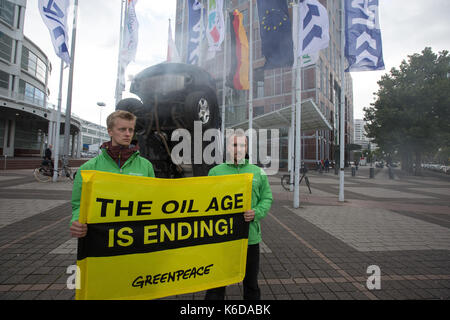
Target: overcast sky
(407,27)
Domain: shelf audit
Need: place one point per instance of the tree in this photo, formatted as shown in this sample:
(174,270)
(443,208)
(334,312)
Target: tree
(411,112)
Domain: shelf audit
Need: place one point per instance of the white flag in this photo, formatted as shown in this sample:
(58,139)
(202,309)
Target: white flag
(172,52)
(130,41)
(215,26)
(54,14)
(313,28)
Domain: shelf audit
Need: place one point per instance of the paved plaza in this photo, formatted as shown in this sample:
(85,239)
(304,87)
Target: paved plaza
(324,250)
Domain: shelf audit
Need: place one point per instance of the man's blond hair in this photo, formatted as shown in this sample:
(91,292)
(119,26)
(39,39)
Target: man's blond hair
(122,114)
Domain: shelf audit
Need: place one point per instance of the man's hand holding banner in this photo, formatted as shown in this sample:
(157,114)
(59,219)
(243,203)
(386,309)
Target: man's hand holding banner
(150,238)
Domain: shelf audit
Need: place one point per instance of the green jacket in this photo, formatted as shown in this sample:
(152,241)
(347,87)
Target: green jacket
(261,193)
(135,165)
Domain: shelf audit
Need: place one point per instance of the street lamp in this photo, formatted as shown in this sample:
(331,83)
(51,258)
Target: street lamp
(100,104)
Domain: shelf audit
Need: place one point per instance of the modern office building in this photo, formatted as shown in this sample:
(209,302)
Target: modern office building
(273,89)
(361,135)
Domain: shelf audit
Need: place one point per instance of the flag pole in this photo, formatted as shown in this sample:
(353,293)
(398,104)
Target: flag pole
(58,124)
(169,55)
(183,26)
(250,93)
(70,85)
(293,78)
(224,87)
(118,94)
(342,107)
(298,118)
(200,58)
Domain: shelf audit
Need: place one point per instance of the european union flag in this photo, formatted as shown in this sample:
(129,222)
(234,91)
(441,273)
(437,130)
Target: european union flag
(276,33)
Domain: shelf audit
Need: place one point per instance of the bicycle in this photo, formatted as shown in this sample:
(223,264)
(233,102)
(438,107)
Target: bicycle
(285,180)
(44,172)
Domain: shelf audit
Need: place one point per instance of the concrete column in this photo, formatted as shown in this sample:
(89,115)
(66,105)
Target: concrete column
(50,133)
(78,155)
(72,152)
(8,141)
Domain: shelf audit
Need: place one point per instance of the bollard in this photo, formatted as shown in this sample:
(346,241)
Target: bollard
(391,173)
(371,173)
(353,171)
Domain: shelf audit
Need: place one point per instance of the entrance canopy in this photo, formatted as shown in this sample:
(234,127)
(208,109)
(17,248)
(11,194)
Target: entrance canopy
(312,119)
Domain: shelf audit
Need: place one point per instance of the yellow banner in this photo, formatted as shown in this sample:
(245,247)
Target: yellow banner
(150,238)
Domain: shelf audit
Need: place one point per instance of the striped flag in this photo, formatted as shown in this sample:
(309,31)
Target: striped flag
(238,78)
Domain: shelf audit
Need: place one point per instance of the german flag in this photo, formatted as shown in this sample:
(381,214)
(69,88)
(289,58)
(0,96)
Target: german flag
(238,78)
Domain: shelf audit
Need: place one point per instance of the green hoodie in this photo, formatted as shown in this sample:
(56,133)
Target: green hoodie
(135,165)
(261,193)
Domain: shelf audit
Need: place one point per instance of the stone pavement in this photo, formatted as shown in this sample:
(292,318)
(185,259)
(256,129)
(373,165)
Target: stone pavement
(325,250)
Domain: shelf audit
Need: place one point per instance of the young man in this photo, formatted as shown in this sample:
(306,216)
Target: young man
(117,156)
(261,202)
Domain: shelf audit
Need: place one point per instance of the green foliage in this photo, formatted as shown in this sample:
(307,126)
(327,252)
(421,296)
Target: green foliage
(411,113)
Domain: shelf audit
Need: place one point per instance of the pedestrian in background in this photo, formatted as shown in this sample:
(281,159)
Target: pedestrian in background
(48,156)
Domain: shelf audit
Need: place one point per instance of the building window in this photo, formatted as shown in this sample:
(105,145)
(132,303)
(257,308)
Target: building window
(257,111)
(276,106)
(278,84)
(41,70)
(331,88)
(7,12)
(258,87)
(4,80)
(33,65)
(321,75)
(5,47)
(39,97)
(245,19)
(31,94)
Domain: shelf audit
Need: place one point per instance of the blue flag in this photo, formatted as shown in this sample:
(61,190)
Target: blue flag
(363,36)
(276,33)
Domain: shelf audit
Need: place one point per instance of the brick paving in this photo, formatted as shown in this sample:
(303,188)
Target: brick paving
(320,251)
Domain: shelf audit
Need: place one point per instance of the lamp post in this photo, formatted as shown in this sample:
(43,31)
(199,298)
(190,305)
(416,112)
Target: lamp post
(101,105)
